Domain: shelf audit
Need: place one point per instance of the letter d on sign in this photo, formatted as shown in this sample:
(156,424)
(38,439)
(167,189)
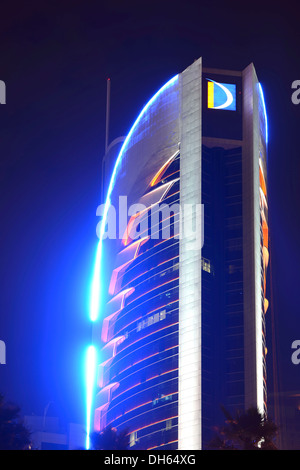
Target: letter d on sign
(2,92)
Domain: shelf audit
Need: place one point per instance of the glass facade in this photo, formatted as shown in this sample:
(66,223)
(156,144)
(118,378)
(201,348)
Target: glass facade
(138,375)
(222,285)
(146,366)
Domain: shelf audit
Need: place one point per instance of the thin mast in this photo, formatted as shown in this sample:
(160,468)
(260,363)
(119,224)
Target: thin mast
(107,113)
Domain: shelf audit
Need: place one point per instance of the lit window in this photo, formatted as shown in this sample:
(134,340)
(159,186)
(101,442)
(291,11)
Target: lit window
(133,439)
(168,424)
(206,265)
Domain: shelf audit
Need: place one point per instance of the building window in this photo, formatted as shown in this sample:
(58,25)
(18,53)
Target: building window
(206,265)
(133,439)
(168,424)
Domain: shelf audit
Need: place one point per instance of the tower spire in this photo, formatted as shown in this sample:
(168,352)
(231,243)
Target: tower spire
(107,113)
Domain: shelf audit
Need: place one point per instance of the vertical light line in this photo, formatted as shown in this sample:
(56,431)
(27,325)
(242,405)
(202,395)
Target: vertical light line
(265,112)
(107,114)
(90,366)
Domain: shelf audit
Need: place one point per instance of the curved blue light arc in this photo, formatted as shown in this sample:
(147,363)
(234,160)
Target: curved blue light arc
(90,367)
(96,282)
(265,112)
(95,298)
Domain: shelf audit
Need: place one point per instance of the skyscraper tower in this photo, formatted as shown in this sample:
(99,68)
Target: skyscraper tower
(180,325)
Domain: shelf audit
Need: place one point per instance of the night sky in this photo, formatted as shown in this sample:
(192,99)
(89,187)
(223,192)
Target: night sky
(55,58)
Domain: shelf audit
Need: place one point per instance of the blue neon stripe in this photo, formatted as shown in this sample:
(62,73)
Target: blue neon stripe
(265,112)
(90,367)
(96,282)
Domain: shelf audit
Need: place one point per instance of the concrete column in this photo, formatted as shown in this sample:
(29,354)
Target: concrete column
(189,428)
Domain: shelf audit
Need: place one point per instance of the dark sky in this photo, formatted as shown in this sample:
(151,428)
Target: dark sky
(55,58)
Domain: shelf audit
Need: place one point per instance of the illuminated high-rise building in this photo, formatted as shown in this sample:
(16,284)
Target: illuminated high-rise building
(180,327)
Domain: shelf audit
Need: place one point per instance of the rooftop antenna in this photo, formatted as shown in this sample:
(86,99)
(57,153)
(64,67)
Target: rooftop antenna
(107,113)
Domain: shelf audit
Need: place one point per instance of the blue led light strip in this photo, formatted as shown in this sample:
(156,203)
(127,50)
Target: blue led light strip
(95,292)
(96,282)
(90,366)
(265,112)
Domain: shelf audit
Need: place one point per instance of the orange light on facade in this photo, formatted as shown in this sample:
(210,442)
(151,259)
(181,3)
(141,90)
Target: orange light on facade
(131,254)
(266,305)
(153,423)
(116,305)
(126,238)
(265,230)
(262,180)
(158,176)
(265,256)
